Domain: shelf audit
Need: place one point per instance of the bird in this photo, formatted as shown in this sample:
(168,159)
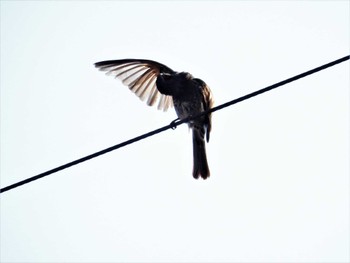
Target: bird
(158,84)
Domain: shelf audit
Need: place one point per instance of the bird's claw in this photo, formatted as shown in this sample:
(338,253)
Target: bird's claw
(173,124)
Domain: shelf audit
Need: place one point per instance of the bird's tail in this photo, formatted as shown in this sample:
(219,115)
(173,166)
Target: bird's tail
(200,164)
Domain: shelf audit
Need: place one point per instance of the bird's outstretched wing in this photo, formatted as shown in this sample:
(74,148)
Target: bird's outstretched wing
(140,76)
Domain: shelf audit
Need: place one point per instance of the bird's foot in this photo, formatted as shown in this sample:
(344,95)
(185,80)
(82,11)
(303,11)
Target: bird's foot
(173,124)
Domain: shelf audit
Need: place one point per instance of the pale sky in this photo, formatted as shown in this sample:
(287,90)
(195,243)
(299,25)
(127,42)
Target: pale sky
(279,185)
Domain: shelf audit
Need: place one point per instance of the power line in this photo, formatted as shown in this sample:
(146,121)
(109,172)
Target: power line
(174,124)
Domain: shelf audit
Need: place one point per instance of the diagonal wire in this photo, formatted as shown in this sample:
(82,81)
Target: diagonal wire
(174,124)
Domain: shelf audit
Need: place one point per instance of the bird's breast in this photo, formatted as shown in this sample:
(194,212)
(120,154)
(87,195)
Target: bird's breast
(182,108)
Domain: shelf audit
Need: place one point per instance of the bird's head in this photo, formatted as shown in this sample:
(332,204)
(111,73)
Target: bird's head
(174,78)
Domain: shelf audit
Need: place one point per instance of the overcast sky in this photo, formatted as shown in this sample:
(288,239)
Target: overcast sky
(279,185)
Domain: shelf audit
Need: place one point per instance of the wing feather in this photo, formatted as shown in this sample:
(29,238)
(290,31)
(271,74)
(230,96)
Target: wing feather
(143,92)
(140,76)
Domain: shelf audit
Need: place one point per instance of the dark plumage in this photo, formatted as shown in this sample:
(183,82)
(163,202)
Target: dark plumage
(157,83)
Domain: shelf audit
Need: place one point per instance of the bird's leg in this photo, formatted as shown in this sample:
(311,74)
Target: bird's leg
(173,124)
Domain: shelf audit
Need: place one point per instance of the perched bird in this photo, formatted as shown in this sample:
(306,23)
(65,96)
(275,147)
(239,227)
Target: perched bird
(157,83)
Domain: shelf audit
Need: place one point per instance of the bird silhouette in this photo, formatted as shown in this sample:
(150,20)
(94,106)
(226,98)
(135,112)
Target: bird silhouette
(159,84)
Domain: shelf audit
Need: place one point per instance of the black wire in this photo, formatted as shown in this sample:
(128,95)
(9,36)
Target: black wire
(268,88)
(174,124)
(83,159)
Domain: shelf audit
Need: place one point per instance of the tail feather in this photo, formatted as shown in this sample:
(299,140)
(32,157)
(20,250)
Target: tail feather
(200,164)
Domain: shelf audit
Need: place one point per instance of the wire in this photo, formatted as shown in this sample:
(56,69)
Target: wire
(268,88)
(174,124)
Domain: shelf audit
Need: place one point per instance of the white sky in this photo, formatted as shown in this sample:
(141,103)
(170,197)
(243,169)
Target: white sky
(279,186)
